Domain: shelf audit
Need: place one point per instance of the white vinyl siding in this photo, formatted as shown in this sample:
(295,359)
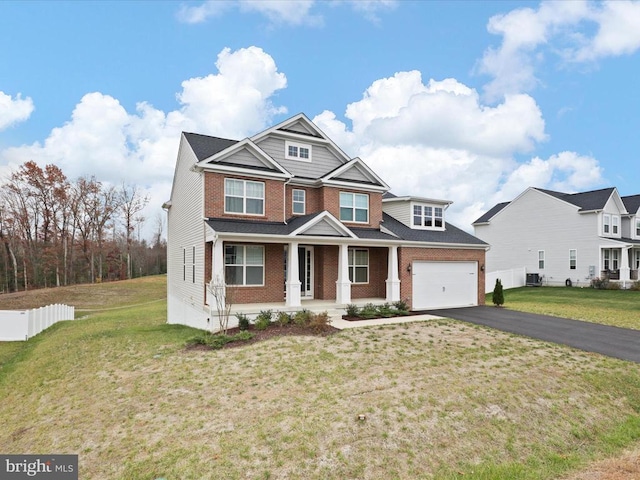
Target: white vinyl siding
(537,221)
(243,196)
(185,232)
(637,227)
(324,161)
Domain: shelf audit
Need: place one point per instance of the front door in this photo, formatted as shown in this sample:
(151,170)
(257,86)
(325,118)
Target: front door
(305,269)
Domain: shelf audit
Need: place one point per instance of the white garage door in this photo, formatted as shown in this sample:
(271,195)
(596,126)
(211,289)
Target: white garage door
(444,284)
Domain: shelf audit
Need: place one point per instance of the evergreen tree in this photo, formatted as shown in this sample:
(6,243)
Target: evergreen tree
(498,295)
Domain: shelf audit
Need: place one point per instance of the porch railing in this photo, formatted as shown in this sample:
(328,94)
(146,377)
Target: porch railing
(633,274)
(610,274)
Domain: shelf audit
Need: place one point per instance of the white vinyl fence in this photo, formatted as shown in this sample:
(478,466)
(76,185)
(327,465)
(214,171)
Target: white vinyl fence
(24,324)
(516,277)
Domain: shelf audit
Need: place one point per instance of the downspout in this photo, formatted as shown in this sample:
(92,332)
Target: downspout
(284,200)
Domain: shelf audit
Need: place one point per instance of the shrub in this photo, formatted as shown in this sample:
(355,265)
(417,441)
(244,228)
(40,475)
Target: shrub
(352,310)
(600,283)
(635,286)
(263,320)
(614,286)
(283,318)
(302,318)
(369,311)
(320,321)
(385,311)
(401,306)
(498,294)
(243,321)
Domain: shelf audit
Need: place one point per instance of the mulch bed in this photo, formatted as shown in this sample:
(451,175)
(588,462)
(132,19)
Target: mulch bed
(274,330)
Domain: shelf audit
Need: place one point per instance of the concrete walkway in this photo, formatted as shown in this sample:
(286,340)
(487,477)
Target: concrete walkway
(623,343)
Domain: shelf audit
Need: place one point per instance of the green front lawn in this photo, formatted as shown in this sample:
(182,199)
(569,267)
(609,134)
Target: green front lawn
(620,308)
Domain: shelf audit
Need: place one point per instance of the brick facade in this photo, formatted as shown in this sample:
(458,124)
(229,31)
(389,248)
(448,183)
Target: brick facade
(274,193)
(407,255)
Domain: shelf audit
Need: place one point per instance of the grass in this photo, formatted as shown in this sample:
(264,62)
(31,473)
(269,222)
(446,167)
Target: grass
(442,400)
(620,308)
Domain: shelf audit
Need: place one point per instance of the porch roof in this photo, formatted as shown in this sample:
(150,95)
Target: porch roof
(399,232)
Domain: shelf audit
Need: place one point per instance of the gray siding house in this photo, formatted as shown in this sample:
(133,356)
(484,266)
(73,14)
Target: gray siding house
(565,238)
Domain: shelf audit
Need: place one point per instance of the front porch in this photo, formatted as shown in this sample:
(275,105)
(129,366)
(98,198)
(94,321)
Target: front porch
(620,265)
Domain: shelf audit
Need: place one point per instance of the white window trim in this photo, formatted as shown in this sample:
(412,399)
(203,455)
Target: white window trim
(541,259)
(575,258)
(244,266)
(422,226)
(298,146)
(244,198)
(606,223)
(352,266)
(304,201)
(637,227)
(615,225)
(353,208)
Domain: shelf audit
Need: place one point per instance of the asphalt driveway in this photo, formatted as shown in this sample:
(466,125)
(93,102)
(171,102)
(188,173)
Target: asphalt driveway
(614,342)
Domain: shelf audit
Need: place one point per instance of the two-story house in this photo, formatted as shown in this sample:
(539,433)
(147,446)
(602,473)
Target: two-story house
(565,238)
(286,218)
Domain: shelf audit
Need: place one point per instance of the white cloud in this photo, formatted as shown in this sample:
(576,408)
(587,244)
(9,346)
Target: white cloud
(561,30)
(103,139)
(371,8)
(439,140)
(14,111)
(276,11)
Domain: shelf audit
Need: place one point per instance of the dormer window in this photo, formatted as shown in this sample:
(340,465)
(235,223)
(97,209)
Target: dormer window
(297,151)
(428,216)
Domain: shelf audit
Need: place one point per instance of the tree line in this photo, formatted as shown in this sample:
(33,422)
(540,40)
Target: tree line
(55,232)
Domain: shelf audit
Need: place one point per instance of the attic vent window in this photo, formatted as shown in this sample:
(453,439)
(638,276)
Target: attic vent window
(297,151)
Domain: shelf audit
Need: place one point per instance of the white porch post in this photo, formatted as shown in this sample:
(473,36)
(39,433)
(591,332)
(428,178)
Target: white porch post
(343,284)
(217,271)
(293,276)
(625,271)
(393,281)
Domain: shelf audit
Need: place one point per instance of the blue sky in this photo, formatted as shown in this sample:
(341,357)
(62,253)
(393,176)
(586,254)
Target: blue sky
(471,102)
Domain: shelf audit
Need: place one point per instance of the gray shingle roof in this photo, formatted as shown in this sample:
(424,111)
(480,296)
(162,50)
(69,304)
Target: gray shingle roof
(205,146)
(489,215)
(451,234)
(592,200)
(632,203)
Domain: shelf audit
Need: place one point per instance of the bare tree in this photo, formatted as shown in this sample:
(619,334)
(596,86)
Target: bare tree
(131,202)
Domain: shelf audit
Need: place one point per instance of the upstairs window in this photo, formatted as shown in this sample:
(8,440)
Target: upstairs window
(297,151)
(243,196)
(427,216)
(606,223)
(299,202)
(354,207)
(614,224)
(637,227)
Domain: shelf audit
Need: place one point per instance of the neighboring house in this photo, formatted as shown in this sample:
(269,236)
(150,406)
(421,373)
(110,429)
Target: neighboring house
(563,238)
(286,218)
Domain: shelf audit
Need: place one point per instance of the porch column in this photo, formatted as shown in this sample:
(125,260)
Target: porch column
(217,283)
(343,284)
(625,271)
(393,281)
(293,276)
